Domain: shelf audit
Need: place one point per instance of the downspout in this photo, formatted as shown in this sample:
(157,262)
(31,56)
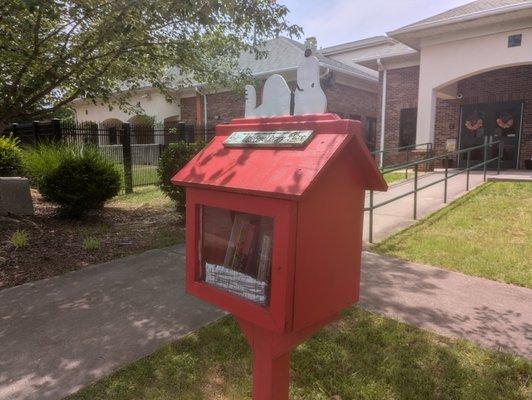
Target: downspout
(204,110)
(383,111)
(205,116)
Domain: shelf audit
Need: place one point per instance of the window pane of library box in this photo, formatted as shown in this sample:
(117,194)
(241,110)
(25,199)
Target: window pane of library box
(236,252)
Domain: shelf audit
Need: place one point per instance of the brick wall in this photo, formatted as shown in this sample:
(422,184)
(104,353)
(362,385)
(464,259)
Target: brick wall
(348,100)
(222,107)
(401,92)
(507,84)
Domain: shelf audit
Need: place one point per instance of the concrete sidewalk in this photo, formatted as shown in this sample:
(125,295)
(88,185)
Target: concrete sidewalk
(397,215)
(61,334)
(492,314)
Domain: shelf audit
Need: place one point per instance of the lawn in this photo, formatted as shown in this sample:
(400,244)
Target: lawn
(363,356)
(128,224)
(395,177)
(486,233)
(142,174)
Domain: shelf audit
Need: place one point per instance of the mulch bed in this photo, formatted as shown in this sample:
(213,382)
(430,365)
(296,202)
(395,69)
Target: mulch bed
(56,245)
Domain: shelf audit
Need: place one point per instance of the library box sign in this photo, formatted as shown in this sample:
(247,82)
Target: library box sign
(274,235)
(293,138)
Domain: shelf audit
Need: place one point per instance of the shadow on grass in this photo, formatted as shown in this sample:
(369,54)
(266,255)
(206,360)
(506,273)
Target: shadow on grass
(362,356)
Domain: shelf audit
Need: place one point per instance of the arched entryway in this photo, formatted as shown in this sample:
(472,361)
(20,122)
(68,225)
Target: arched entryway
(110,129)
(142,129)
(493,106)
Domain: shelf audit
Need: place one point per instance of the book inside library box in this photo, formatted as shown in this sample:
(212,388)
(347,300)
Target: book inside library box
(236,252)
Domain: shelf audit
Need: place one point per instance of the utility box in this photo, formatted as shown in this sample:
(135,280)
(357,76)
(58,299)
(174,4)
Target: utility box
(274,219)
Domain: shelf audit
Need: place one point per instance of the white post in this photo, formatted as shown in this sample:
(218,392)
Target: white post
(383,111)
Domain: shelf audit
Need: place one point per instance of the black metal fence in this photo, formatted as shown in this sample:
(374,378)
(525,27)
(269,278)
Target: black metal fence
(135,149)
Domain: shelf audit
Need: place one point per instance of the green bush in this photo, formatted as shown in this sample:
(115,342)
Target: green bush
(77,178)
(172,159)
(10,156)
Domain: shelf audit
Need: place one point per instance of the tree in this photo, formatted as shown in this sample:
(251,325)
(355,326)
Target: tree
(54,51)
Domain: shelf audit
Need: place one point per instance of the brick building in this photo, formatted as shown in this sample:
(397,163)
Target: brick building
(457,79)
(351,90)
(450,81)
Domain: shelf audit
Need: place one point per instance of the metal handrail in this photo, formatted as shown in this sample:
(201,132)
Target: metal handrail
(407,150)
(410,146)
(445,179)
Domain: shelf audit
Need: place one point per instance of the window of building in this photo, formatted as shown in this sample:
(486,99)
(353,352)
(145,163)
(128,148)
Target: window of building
(407,127)
(515,40)
(370,132)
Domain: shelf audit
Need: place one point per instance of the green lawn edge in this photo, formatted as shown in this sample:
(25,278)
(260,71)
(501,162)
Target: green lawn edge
(362,356)
(488,243)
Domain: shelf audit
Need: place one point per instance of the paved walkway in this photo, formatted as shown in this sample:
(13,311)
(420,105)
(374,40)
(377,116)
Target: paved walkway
(60,334)
(399,214)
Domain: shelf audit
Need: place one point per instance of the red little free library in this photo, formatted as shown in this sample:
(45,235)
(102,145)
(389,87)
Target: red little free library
(274,214)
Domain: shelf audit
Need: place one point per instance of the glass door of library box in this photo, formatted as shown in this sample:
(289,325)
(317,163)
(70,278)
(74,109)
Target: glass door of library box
(243,256)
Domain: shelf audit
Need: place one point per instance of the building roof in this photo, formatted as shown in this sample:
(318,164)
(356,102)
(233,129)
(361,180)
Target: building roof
(470,9)
(279,172)
(355,45)
(474,14)
(285,55)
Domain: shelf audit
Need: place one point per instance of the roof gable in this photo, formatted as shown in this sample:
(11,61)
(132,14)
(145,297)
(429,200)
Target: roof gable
(284,54)
(278,172)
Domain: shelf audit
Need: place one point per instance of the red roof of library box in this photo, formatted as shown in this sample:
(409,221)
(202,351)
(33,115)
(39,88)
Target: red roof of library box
(279,171)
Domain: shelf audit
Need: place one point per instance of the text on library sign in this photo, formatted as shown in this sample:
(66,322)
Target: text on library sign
(269,138)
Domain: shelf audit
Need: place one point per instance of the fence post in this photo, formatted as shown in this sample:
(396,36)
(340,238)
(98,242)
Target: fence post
(371,216)
(499,158)
(485,156)
(407,160)
(415,191)
(467,169)
(126,157)
(56,129)
(35,129)
(445,181)
(14,128)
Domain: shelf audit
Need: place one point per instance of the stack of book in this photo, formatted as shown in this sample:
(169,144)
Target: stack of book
(247,264)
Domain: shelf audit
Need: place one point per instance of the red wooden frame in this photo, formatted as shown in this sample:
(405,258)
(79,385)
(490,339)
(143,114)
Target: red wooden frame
(278,315)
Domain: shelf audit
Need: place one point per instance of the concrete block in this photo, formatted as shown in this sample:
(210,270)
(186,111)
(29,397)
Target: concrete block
(15,196)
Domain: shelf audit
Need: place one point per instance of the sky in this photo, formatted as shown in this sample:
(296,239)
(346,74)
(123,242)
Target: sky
(339,21)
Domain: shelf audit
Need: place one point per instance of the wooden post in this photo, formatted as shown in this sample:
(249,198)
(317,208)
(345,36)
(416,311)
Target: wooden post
(126,157)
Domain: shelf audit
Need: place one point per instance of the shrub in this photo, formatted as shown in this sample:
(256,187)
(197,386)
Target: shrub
(77,178)
(19,239)
(10,156)
(172,159)
(91,244)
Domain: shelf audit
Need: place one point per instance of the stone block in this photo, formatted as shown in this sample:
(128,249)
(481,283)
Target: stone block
(15,196)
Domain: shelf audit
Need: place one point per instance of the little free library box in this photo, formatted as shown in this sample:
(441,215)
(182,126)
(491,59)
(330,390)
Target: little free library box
(274,213)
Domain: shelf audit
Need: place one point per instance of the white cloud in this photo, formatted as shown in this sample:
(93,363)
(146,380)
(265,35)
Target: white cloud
(340,21)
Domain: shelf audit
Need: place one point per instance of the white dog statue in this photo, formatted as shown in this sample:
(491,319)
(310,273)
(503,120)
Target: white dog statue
(276,96)
(309,98)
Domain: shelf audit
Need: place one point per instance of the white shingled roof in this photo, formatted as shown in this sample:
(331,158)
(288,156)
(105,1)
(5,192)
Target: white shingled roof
(285,55)
(473,8)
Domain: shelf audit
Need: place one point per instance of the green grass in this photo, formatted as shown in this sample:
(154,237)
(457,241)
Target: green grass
(19,239)
(394,177)
(150,195)
(363,356)
(142,174)
(486,233)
